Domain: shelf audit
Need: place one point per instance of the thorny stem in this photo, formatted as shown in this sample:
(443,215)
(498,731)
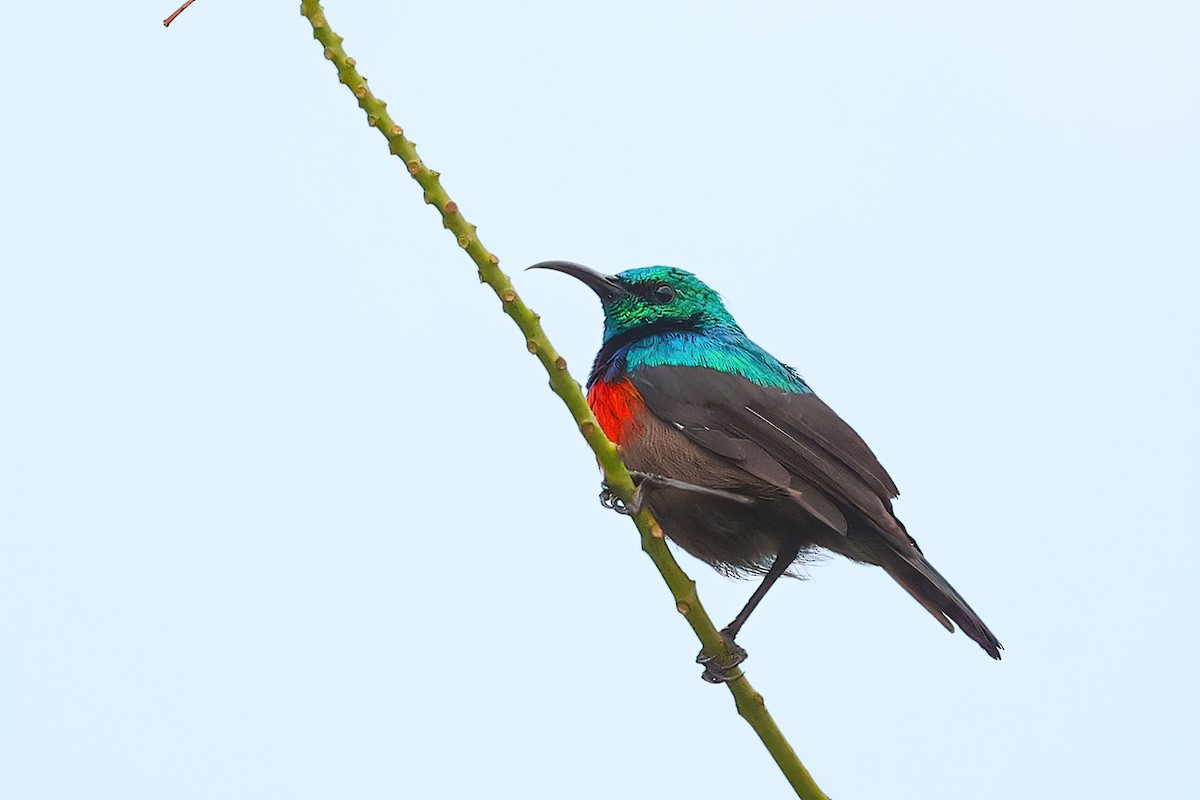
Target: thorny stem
(750,704)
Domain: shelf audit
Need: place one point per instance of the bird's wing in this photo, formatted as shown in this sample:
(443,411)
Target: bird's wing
(790,440)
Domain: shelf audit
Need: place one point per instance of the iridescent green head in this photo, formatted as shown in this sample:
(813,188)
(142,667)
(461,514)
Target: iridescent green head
(651,299)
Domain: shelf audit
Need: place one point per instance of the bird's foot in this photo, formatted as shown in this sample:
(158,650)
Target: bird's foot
(609,499)
(716,672)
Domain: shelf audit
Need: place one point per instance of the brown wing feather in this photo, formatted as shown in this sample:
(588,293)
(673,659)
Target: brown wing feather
(794,441)
(797,443)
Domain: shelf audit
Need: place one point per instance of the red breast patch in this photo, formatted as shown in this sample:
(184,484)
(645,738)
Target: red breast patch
(616,406)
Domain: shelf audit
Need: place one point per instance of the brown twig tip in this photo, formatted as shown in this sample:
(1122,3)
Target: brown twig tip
(167,22)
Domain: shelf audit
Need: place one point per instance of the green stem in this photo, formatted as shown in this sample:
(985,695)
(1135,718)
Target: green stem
(749,703)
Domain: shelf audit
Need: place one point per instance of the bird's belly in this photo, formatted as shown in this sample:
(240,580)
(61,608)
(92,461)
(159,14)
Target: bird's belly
(736,538)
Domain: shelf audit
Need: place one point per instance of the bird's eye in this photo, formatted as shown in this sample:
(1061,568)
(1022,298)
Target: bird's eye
(664,293)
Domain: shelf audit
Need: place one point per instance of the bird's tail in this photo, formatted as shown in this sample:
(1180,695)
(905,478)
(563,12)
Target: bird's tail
(931,590)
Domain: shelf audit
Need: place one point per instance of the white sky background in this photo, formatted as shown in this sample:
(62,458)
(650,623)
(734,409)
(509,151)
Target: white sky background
(286,509)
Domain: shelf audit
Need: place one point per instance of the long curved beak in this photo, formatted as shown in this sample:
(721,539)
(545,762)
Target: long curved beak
(608,287)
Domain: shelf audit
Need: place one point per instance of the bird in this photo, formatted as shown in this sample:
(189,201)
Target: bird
(741,463)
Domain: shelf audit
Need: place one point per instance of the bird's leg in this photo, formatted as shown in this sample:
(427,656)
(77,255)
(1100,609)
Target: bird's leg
(646,481)
(719,673)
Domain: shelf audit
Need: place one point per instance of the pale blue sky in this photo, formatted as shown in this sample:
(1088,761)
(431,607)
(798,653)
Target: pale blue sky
(286,510)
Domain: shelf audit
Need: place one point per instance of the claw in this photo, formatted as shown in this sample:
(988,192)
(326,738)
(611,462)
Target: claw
(715,672)
(609,499)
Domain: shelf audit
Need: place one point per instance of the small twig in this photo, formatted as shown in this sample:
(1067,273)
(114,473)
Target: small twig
(167,22)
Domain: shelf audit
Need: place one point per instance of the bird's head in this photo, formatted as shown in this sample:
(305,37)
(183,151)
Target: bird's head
(651,299)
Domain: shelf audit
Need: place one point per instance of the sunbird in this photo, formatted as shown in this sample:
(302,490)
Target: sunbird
(743,466)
